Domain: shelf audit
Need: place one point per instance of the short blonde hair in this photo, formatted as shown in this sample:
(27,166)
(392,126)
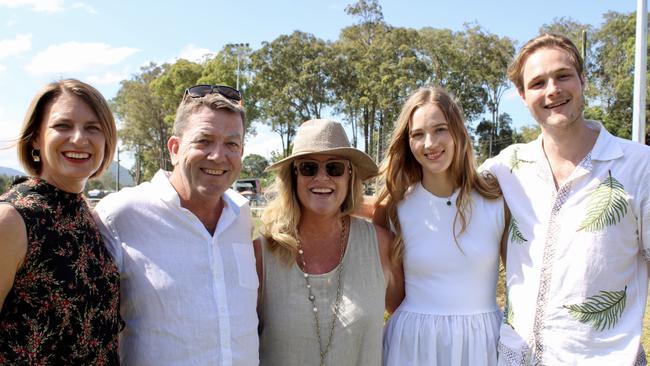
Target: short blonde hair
(281,216)
(547,40)
(35,114)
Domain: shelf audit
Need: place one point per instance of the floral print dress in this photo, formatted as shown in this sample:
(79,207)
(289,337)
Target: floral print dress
(63,308)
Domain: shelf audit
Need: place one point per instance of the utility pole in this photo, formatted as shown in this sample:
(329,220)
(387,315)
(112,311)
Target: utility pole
(640,67)
(238,47)
(117,173)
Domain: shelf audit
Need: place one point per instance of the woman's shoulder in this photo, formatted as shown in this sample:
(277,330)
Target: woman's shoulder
(13,236)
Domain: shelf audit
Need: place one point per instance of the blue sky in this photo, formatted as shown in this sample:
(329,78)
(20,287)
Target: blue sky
(103,42)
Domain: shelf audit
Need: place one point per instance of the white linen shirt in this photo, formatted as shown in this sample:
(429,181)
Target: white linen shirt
(576,271)
(187,297)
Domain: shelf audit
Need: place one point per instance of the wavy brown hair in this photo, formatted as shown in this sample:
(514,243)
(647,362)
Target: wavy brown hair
(400,170)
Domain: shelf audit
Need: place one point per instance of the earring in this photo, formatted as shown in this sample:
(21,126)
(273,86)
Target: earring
(36,155)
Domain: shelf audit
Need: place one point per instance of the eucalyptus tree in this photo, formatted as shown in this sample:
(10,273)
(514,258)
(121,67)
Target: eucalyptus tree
(614,73)
(223,69)
(292,80)
(491,55)
(143,130)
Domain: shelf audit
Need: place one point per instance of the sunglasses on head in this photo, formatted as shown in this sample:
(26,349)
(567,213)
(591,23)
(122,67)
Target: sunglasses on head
(333,168)
(198,91)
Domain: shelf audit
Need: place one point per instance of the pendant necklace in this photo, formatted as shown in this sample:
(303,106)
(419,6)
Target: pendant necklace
(323,350)
(449,199)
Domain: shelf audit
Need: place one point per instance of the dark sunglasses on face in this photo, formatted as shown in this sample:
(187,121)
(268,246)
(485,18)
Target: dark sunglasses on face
(198,91)
(333,168)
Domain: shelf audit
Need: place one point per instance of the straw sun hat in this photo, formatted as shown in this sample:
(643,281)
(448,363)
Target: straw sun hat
(322,136)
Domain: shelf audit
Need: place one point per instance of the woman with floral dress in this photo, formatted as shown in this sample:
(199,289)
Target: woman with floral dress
(59,289)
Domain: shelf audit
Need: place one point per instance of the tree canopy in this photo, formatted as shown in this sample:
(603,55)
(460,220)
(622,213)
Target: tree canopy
(364,77)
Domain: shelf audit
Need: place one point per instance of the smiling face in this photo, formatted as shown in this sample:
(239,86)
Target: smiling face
(431,144)
(552,89)
(322,194)
(207,157)
(71,143)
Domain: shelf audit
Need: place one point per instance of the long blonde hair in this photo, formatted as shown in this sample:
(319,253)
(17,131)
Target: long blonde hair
(281,216)
(400,170)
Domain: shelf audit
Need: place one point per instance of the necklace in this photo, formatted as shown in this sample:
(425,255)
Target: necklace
(312,298)
(449,198)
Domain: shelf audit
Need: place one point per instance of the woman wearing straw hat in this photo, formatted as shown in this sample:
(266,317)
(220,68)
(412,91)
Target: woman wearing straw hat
(325,277)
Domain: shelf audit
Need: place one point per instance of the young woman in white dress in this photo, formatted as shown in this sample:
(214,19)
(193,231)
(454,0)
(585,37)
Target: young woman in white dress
(449,221)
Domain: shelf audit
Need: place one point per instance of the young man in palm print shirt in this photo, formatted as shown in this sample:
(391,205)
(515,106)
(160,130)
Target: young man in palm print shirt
(579,243)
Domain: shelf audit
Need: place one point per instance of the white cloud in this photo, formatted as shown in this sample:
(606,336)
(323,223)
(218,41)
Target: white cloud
(47,6)
(2,68)
(85,7)
(194,53)
(107,78)
(76,57)
(12,21)
(11,47)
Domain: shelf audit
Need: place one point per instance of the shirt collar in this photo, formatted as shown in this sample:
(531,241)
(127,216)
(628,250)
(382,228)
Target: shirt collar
(606,147)
(233,201)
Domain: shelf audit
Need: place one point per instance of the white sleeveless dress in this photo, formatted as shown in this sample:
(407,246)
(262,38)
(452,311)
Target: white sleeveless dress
(449,316)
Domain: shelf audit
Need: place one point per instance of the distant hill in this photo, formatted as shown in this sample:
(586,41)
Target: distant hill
(125,176)
(10,172)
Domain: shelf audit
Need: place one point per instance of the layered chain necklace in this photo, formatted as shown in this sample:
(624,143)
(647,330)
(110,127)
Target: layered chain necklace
(323,350)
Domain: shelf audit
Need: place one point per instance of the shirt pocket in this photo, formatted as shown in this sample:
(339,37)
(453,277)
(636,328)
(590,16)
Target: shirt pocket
(245,259)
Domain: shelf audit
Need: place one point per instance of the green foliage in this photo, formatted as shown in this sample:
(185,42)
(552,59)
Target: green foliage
(143,128)
(365,76)
(601,311)
(491,143)
(222,70)
(105,182)
(292,82)
(614,73)
(253,166)
(170,85)
(5,183)
(527,134)
(448,56)
(607,205)
(515,234)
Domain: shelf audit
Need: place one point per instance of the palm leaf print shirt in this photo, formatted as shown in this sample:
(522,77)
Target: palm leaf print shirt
(576,271)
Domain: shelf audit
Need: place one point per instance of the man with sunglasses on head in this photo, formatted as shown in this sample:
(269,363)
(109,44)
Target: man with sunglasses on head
(182,243)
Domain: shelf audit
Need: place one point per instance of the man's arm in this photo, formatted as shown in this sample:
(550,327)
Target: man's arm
(109,234)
